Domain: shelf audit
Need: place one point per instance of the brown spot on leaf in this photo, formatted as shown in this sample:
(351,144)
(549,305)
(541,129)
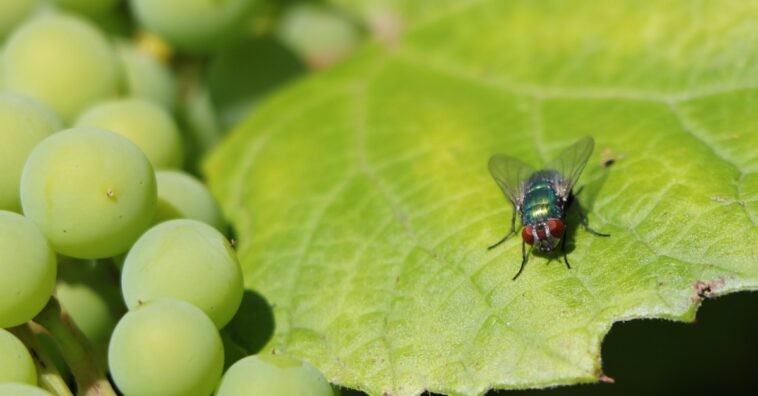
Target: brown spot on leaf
(602,377)
(608,158)
(707,289)
(386,26)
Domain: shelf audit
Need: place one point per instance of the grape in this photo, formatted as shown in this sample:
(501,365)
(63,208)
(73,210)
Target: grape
(24,122)
(320,35)
(187,260)
(143,122)
(193,25)
(92,192)
(181,195)
(89,293)
(147,78)
(21,390)
(16,364)
(201,120)
(166,347)
(28,267)
(13,12)
(89,7)
(63,61)
(273,375)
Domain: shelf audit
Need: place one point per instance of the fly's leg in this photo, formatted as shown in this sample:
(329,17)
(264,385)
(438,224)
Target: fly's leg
(523,259)
(563,249)
(513,230)
(583,220)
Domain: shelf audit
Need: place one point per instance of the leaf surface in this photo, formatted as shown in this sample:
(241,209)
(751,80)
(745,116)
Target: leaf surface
(363,205)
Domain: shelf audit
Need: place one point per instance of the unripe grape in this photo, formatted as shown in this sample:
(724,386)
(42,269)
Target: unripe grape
(273,375)
(186,260)
(193,25)
(147,78)
(319,34)
(89,7)
(63,61)
(180,195)
(165,347)
(24,122)
(16,363)
(145,123)
(27,267)
(89,292)
(91,192)
(22,390)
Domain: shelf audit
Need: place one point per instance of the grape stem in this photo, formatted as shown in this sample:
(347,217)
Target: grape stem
(76,351)
(48,376)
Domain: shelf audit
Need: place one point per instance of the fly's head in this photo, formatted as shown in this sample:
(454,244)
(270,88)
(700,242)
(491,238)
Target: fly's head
(544,235)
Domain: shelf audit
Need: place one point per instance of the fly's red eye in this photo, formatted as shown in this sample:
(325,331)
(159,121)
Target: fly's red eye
(556,227)
(526,233)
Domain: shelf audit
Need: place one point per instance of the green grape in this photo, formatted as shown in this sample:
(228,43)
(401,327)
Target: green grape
(193,25)
(16,365)
(24,122)
(273,375)
(180,195)
(91,192)
(147,78)
(27,267)
(166,347)
(143,122)
(13,12)
(21,390)
(63,61)
(88,7)
(186,260)
(320,35)
(89,293)
(200,120)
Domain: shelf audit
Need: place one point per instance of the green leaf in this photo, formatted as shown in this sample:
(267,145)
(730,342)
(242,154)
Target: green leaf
(363,205)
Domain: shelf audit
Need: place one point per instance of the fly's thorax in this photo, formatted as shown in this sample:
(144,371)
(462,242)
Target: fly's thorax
(544,235)
(541,200)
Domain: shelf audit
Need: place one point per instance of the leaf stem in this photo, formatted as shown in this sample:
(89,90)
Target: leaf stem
(76,351)
(48,376)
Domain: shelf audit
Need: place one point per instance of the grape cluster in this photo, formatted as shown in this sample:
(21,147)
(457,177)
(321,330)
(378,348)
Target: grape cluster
(115,263)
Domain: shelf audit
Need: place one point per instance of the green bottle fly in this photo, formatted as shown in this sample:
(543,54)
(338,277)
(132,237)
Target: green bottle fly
(542,197)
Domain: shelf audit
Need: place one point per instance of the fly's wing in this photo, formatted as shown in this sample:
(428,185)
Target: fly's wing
(510,174)
(570,164)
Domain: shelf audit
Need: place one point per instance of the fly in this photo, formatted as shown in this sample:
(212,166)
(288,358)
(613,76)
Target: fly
(542,197)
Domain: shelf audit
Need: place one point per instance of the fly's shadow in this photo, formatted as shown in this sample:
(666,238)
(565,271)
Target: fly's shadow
(583,200)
